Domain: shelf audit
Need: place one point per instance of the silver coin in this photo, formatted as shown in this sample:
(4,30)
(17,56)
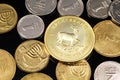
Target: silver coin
(98,8)
(108,70)
(30,26)
(70,7)
(114,11)
(40,7)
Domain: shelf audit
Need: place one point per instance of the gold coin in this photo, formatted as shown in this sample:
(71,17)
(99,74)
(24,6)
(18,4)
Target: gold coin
(7,65)
(69,39)
(8,18)
(107,41)
(31,56)
(73,71)
(37,76)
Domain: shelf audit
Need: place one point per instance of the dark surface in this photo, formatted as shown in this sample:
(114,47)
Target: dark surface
(10,41)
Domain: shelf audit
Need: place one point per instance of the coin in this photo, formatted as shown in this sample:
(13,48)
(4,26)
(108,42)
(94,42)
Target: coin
(69,39)
(114,11)
(73,71)
(40,7)
(98,8)
(108,70)
(107,39)
(70,7)
(8,18)
(30,27)
(36,76)
(7,65)
(30,56)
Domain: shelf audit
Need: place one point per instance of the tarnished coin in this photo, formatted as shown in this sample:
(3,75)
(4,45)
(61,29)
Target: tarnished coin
(37,76)
(30,27)
(7,65)
(98,8)
(73,71)
(108,70)
(114,11)
(31,57)
(40,7)
(8,18)
(69,39)
(107,38)
(70,7)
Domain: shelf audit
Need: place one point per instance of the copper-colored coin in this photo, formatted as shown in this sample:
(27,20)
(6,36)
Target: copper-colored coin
(69,39)
(31,56)
(7,65)
(73,71)
(8,18)
(37,76)
(107,36)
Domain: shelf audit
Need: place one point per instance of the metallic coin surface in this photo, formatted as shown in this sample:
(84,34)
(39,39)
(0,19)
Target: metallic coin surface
(107,39)
(7,65)
(30,27)
(40,7)
(31,57)
(69,39)
(70,7)
(73,71)
(98,8)
(37,76)
(114,11)
(108,70)
(8,18)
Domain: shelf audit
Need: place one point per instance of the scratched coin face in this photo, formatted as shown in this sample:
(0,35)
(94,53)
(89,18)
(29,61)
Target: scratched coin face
(98,8)
(73,71)
(7,65)
(30,26)
(69,38)
(36,76)
(31,56)
(108,70)
(70,7)
(40,7)
(107,39)
(114,11)
(8,18)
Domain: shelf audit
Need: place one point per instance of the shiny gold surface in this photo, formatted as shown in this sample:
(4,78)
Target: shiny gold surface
(69,39)
(7,65)
(8,18)
(37,76)
(73,71)
(31,56)
(107,38)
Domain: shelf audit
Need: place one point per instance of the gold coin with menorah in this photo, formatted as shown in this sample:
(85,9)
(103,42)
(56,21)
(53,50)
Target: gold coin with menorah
(8,18)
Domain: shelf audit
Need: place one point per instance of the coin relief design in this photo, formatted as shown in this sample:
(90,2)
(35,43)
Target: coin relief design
(31,57)
(73,71)
(66,39)
(8,18)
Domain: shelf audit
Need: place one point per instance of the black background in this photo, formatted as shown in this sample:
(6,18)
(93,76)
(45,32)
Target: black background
(10,40)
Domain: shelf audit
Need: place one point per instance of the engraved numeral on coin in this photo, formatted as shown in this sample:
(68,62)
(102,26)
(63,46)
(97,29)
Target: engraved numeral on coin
(6,16)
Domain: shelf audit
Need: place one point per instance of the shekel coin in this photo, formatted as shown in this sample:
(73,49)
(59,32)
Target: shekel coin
(114,11)
(30,27)
(108,70)
(31,57)
(36,76)
(70,7)
(40,7)
(73,71)
(69,39)
(98,8)
(107,38)
(7,65)
(8,18)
